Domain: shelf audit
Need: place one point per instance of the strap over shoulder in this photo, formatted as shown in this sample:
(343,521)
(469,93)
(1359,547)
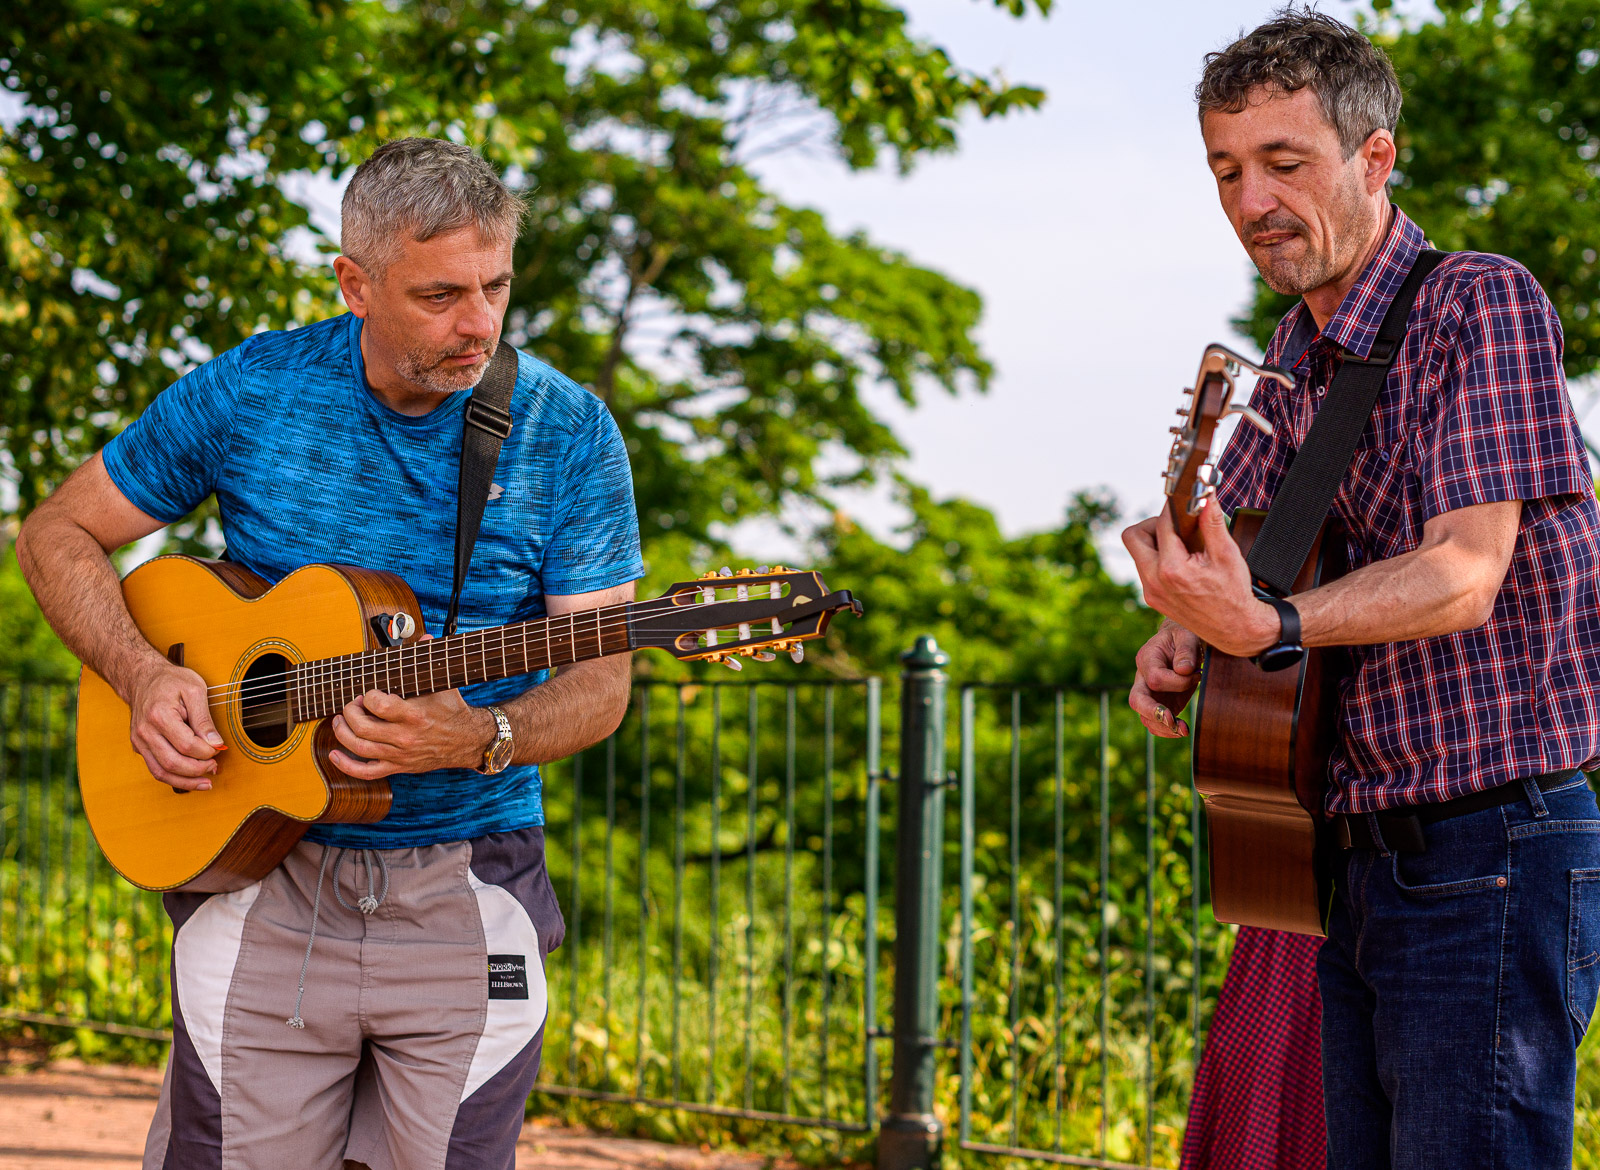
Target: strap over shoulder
(1307,491)
(485,425)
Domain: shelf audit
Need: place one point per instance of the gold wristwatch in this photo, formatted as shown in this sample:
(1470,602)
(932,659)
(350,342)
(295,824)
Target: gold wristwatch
(497,756)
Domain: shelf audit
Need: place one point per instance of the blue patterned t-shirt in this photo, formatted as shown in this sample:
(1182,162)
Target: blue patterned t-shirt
(309,467)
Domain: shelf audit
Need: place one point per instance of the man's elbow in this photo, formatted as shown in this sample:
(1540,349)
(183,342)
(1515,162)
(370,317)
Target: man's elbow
(1475,597)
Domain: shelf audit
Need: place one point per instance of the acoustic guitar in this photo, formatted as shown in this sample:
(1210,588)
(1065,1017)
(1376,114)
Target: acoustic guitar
(280,660)
(1261,739)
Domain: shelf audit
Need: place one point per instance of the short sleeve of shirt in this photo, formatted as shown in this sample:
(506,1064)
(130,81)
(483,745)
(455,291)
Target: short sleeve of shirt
(595,544)
(1504,429)
(167,461)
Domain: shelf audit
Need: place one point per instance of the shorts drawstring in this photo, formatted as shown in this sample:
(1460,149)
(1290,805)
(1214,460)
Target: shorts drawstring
(373,899)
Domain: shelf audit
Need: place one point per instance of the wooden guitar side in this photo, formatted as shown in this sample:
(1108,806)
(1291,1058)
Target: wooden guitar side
(1261,749)
(262,800)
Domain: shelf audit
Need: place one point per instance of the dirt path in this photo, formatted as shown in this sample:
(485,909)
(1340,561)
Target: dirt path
(72,1116)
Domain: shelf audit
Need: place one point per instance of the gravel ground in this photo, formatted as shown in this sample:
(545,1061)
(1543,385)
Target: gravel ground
(93,1117)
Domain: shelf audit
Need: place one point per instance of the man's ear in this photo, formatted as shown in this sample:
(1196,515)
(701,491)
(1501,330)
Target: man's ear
(1378,154)
(354,283)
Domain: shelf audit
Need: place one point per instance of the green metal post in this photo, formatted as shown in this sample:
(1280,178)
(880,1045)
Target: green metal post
(910,1136)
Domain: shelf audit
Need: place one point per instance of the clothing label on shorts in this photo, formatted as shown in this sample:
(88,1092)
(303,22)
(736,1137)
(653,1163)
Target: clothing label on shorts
(508,977)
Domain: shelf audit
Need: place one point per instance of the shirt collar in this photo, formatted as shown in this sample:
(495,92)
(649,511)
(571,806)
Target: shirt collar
(1355,325)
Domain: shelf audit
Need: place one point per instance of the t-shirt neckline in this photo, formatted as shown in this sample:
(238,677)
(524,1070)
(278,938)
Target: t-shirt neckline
(453,404)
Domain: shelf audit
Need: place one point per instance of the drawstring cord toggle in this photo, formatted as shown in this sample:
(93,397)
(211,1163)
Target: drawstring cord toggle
(366,905)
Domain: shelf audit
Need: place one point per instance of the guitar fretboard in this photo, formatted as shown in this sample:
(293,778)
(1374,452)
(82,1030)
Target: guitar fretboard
(319,689)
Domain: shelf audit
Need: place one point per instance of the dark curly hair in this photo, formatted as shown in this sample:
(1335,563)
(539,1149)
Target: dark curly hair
(1299,47)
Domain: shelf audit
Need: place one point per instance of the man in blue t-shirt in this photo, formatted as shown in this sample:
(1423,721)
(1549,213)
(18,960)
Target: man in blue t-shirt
(387,1012)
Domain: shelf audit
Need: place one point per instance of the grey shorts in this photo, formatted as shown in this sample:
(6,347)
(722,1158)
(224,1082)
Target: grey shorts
(423,1019)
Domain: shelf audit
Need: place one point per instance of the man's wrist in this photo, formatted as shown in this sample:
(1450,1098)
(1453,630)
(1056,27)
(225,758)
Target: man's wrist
(481,736)
(1265,628)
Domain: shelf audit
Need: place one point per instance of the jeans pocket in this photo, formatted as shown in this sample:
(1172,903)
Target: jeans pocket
(1450,868)
(1583,948)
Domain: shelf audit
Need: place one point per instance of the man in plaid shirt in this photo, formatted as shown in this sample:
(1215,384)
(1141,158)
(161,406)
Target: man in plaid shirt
(1463,953)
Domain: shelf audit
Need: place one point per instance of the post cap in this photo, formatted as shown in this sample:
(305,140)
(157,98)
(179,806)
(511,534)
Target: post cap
(925,655)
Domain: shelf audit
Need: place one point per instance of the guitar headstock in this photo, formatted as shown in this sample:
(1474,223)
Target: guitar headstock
(1191,464)
(725,616)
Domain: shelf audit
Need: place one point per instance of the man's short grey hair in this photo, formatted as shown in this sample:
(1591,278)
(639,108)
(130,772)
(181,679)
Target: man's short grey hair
(422,188)
(1353,79)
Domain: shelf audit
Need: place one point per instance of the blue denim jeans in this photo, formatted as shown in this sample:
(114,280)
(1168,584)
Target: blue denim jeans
(1456,985)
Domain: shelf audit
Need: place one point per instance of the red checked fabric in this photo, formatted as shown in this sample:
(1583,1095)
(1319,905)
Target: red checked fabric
(1257,1100)
(1475,411)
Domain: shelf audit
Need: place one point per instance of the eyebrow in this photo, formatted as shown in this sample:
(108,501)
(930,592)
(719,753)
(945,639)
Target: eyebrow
(1276,146)
(432,288)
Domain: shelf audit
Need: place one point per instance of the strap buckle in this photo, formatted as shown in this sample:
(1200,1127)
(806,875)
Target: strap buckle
(489,419)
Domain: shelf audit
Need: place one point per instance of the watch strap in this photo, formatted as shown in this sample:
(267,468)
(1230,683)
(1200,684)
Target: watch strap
(502,735)
(1288,650)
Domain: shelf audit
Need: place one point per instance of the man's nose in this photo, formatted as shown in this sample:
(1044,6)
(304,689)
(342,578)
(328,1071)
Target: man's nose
(1256,196)
(477,318)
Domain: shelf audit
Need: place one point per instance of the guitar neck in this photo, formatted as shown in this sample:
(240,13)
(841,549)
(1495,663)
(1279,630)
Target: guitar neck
(319,689)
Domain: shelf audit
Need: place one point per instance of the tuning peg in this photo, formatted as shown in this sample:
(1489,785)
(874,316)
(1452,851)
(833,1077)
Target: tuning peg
(761,570)
(1174,430)
(1250,416)
(797,652)
(733,663)
(763,656)
(724,571)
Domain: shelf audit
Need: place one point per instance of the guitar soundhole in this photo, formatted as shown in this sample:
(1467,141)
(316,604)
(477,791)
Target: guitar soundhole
(264,701)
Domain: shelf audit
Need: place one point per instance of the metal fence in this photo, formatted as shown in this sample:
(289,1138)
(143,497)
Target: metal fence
(727,949)
(1080,845)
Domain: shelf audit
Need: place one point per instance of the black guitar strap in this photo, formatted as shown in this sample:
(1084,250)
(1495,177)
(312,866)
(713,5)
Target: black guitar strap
(1306,493)
(485,424)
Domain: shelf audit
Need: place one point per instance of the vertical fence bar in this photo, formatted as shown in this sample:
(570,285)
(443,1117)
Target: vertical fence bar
(1105,924)
(827,894)
(608,940)
(911,1131)
(869,952)
(716,888)
(969,815)
(1014,1000)
(644,886)
(575,925)
(1149,944)
(750,908)
(788,898)
(1060,911)
(680,778)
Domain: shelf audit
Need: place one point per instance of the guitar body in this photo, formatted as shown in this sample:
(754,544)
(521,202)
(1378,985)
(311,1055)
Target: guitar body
(1261,747)
(274,780)
(281,661)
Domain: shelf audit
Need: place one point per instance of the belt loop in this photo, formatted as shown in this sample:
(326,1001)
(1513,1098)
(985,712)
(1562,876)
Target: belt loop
(1377,833)
(1530,785)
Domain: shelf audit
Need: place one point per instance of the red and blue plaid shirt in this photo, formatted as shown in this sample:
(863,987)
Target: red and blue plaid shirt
(1475,411)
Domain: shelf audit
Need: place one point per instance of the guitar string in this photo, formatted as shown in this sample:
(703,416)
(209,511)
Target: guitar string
(328,685)
(334,673)
(611,624)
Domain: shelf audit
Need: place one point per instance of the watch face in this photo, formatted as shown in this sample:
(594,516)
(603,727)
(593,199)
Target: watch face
(499,755)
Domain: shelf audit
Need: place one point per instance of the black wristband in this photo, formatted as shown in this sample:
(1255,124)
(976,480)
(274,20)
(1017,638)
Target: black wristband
(1287,650)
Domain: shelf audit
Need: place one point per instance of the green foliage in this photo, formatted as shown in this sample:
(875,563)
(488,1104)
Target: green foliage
(1498,141)
(1038,608)
(144,221)
(32,651)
